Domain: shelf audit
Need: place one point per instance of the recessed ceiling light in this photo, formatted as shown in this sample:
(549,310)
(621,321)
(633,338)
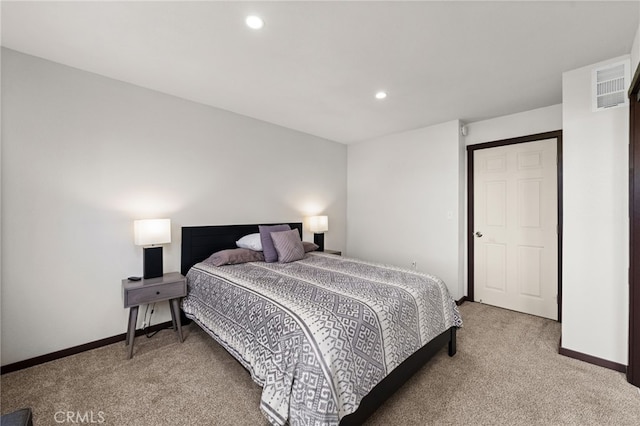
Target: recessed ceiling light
(381,95)
(254,22)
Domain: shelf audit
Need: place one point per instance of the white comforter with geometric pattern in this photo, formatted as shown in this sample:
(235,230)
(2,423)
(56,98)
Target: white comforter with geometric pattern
(319,333)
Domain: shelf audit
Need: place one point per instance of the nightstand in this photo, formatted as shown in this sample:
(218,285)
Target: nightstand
(336,252)
(171,287)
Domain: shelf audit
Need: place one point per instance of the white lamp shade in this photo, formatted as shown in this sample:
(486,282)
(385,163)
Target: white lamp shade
(318,224)
(152,231)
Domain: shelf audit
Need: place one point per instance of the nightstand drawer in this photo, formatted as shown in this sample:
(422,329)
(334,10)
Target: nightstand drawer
(155,293)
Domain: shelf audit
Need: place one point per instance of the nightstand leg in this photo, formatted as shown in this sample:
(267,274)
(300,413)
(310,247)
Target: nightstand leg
(175,315)
(131,330)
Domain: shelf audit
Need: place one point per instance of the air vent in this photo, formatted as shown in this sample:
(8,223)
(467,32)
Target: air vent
(610,86)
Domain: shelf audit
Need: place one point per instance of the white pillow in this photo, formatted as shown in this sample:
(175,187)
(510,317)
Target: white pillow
(251,242)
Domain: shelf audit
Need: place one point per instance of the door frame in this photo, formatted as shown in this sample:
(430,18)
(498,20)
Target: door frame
(557,134)
(633,362)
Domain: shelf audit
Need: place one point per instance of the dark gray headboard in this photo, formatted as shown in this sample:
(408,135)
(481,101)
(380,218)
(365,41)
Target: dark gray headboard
(199,242)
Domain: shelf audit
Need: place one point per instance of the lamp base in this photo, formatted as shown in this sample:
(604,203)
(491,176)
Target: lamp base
(319,240)
(152,262)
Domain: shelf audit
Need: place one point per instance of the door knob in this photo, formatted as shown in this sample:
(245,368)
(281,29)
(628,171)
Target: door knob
(479,234)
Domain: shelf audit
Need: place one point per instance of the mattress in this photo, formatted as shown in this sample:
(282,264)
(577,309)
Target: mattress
(319,333)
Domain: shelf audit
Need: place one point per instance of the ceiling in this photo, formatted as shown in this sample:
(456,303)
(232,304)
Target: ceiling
(315,66)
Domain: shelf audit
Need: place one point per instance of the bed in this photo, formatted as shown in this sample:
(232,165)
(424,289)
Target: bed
(328,338)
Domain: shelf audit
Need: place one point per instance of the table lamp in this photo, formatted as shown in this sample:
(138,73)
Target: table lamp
(319,225)
(149,232)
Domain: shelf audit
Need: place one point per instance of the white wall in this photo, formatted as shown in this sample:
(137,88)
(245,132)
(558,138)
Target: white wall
(404,201)
(83,156)
(635,52)
(596,237)
(526,123)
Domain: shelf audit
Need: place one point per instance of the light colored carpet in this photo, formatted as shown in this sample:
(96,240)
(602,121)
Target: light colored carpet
(507,372)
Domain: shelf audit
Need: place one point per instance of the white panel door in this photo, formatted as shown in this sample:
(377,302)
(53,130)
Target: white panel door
(516,235)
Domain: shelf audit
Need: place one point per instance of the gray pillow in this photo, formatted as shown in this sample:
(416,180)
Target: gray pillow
(309,246)
(270,253)
(288,245)
(234,256)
